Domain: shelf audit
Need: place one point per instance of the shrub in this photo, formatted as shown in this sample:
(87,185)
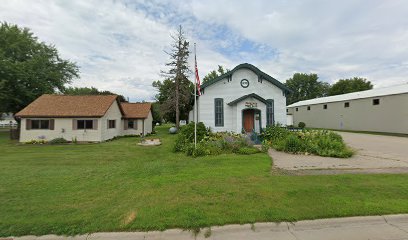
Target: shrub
(274,133)
(247,150)
(198,151)
(40,141)
(302,125)
(186,136)
(58,141)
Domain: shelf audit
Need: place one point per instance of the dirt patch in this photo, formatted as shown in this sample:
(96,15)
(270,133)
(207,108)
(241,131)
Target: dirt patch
(130,217)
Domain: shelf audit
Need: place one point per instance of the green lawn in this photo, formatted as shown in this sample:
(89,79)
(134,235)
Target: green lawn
(119,186)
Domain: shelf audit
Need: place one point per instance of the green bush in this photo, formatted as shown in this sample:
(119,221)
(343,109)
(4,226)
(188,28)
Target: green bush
(58,141)
(198,151)
(247,150)
(302,125)
(40,141)
(274,133)
(186,136)
(319,142)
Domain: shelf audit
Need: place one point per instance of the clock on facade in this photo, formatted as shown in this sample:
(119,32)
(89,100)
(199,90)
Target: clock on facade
(244,83)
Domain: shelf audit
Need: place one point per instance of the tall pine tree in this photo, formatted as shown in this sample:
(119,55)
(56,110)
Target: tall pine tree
(179,69)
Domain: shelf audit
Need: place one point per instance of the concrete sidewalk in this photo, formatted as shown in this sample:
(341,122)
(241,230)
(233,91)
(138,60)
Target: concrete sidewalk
(374,227)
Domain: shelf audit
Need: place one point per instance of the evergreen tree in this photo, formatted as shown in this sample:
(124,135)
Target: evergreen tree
(178,96)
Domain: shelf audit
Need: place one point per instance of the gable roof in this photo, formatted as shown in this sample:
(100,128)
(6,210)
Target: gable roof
(377,92)
(256,70)
(136,110)
(49,105)
(256,96)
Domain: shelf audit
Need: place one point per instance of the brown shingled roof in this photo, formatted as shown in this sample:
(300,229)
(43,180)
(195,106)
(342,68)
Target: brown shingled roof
(136,110)
(68,106)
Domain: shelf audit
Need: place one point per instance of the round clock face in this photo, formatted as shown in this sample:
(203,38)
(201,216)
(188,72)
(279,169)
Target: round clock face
(244,83)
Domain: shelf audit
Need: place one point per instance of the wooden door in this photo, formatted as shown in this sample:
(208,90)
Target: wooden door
(248,120)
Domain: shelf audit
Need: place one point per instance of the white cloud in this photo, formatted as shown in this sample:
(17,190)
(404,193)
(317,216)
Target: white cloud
(120,45)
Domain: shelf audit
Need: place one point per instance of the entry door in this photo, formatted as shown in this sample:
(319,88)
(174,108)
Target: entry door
(248,120)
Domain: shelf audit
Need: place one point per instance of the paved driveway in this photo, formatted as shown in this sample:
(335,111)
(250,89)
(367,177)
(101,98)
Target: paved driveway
(374,153)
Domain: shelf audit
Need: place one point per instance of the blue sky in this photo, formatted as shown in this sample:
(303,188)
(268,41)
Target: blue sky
(119,45)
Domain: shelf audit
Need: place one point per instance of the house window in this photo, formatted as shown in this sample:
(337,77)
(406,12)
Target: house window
(346,104)
(325,106)
(84,124)
(308,108)
(132,124)
(297,109)
(269,113)
(111,123)
(376,101)
(40,124)
(219,112)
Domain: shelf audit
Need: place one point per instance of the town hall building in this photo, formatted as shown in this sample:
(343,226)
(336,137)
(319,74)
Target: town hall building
(244,99)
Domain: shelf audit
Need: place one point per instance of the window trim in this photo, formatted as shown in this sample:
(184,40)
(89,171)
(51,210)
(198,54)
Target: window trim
(221,123)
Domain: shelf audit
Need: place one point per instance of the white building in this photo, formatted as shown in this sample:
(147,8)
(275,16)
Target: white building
(93,118)
(244,99)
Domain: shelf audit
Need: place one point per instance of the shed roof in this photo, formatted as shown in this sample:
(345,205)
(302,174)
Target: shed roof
(136,110)
(377,92)
(256,70)
(49,105)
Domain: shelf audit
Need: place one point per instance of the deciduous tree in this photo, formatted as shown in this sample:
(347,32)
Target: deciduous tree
(90,91)
(215,73)
(355,84)
(305,86)
(29,68)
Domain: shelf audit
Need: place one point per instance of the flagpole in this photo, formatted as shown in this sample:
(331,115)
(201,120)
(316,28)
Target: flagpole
(195,97)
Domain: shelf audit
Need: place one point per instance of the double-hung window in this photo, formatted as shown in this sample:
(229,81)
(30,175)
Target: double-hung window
(219,112)
(132,124)
(270,120)
(111,123)
(85,124)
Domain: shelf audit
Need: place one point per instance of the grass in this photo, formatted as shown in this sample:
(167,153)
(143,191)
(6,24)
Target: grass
(367,132)
(118,186)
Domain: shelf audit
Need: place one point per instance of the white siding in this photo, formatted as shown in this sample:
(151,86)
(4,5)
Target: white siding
(232,90)
(62,129)
(113,113)
(148,126)
(149,123)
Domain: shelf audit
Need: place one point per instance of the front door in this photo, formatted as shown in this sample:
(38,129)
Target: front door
(249,120)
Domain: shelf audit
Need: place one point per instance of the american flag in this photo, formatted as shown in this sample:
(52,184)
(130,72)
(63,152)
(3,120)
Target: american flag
(197,77)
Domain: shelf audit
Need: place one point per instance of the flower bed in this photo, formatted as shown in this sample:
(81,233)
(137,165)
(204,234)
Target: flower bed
(209,143)
(319,142)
